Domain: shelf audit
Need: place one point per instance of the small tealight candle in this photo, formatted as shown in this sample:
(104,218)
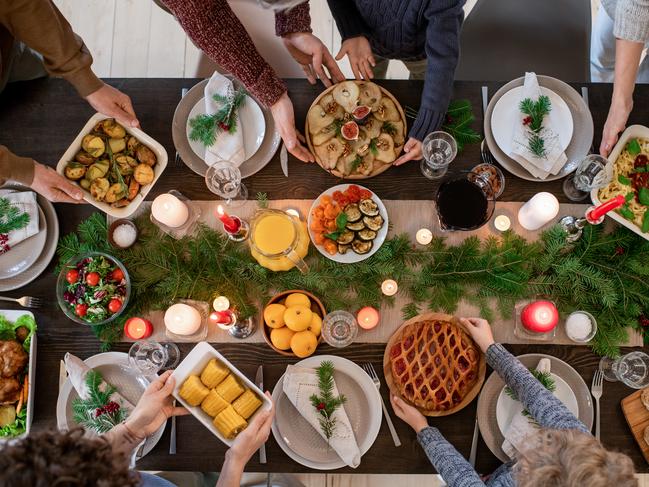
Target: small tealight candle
(222,319)
(138,328)
(230,224)
(502,223)
(221,303)
(389,287)
(540,316)
(367,317)
(538,211)
(293,212)
(169,210)
(182,319)
(424,236)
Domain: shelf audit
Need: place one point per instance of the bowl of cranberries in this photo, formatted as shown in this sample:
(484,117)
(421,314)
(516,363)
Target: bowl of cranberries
(93,288)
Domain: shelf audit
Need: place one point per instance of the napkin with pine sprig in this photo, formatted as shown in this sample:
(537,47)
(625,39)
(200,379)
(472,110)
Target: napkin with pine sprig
(18,218)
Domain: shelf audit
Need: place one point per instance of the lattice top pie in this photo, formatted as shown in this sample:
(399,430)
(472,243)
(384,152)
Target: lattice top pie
(434,364)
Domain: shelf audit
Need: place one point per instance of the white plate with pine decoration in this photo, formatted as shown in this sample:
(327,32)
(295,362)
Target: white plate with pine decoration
(22,256)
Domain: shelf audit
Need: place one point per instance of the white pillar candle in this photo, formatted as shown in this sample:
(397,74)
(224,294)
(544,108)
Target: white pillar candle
(389,287)
(502,223)
(169,210)
(538,211)
(182,319)
(424,236)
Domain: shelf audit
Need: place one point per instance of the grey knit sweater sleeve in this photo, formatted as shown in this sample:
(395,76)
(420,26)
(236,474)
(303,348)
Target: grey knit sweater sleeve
(632,20)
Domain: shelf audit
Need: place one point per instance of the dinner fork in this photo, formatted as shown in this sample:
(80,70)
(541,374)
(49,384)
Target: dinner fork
(369,369)
(596,390)
(485,153)
(183,92)
(25,301)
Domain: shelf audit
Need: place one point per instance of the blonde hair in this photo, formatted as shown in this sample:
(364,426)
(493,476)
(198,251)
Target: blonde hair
(571,458)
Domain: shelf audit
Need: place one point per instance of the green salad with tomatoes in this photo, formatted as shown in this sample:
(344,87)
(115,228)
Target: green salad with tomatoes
(96,289)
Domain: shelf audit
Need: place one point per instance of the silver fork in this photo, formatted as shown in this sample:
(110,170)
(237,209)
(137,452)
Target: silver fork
(183,92)
(369,368)
(25,301)
(596,390)
(485,153)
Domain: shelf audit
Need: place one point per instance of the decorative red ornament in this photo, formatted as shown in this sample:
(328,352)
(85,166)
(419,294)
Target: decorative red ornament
(110,407)
(449,119)
(540,316)
(321,406)
(643,321)
(619,250)
(527,120)
(224,126)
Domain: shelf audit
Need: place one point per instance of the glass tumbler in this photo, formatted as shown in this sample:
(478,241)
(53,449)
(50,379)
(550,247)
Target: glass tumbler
(224,180)
(439,149)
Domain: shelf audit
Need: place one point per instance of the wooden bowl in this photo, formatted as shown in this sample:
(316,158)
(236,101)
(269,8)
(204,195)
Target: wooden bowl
(316,306)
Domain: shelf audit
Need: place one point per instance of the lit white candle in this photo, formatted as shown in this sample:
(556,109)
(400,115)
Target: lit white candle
(182,319)
(169,210)
(538,211)
(293,212)
(424,236)
(502,223)
(389,287)
(221,303)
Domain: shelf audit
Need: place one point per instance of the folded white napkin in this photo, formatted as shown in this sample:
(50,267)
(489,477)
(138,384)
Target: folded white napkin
(555,159)
(25,201)
(299,384)
(522,426)
(227,147)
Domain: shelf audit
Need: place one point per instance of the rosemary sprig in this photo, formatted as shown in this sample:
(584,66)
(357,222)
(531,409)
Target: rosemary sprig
(205,128)
(326,403)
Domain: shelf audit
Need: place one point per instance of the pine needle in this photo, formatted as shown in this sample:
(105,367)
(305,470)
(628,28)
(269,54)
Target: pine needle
(11,217)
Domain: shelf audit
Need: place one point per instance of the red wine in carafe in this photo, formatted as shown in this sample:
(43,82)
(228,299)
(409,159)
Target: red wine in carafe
(461,205)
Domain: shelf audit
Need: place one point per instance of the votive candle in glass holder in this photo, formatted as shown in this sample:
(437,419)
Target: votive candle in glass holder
(236,229)
(367,317)
(186,321)
(538,211)
(174,214)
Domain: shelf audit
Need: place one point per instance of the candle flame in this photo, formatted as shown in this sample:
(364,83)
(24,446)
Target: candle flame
(220,210)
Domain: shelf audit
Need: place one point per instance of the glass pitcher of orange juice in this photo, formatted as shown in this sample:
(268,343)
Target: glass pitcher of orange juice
(278,241)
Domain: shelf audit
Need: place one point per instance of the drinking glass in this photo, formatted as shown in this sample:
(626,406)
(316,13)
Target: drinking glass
(150,357)
(224,179)
(339,328)
(592,173)
(438,150)
(632,369)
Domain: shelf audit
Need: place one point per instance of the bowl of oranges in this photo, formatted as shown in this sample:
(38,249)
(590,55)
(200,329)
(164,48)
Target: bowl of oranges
(293,322)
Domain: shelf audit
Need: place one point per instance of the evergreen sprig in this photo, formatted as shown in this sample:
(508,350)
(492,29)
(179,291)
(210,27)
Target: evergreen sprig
(205,128)
(325,402)
(536,110)
(11,217)
(458,121)
(546,380)
(84,411)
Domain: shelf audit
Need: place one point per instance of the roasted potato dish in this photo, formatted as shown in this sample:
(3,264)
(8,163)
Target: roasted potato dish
(111,164)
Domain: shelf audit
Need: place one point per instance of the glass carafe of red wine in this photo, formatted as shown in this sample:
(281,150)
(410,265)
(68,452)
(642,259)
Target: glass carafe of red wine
(465,202)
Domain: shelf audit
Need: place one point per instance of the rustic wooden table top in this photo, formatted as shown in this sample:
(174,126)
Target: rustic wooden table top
(40,118)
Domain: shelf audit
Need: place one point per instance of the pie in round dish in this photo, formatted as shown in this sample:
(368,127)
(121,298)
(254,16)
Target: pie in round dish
(433,364)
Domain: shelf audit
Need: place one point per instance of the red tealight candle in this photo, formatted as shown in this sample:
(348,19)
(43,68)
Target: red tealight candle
(223,319)
(367,318)
(540,316)
(231,224)
(138,328)
(593,215)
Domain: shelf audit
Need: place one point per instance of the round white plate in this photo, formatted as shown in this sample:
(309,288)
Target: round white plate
(251,121)
(351,257)
(302,442)
(116,371)
(506,115)
(23,255)
(507,409)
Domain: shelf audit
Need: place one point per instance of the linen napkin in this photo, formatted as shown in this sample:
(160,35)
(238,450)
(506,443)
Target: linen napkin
(25,201)
(555,158)
(522,426)
(299,384)
(227,147)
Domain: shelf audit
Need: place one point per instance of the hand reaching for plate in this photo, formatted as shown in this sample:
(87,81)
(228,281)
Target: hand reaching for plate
(311,54)
(480,331)
(359,52)
(112,102)
(284,118)
(408,413)
(412,151)
(55,187)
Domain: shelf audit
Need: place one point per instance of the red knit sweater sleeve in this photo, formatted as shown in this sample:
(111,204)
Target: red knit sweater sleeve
(296,19)
(214,28)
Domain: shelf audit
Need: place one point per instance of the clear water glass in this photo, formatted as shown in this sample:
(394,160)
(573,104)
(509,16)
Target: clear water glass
(224,180)
(632,369)
(339,328)
(438,150)
(150,357)
(592,173)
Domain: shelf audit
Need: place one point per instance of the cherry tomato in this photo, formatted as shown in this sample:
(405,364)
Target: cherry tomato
(365,194)
(114,305)
(72,276)
(117,274)
(81,309)
(93,278)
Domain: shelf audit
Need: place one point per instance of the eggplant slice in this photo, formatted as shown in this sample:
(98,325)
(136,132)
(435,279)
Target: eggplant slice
(372,222)
(368,207)
(361,246)
(356,226)
(353,212)
(342,249)
(367,234)
(346,237)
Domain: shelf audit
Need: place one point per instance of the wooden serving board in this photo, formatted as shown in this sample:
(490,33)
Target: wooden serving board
(387,367)
(637,417)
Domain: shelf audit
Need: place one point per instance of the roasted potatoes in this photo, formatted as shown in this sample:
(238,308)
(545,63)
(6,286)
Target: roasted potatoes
(133,189)
(99,188)
(143,174)
(113,129)
(145,155)
(93,145)
(97,170)
(75,170)
(84,158)
(114,193)
(117,145)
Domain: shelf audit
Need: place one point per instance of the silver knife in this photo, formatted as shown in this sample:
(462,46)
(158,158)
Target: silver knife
(259,381)
(172,436)
(474,443)
(485,100)
(283,161)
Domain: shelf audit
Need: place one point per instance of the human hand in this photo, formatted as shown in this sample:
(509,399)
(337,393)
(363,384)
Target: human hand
(412,151)
(311,54)
(284,118)
(618,115)
(408,413)
(154,407)
(359,52)
(113,103)
(480,331)
(251,438)
(55,187)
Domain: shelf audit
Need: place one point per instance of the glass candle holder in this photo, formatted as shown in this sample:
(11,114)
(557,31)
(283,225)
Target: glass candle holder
(536,320)
(200,333)
(186,228)
(339,328)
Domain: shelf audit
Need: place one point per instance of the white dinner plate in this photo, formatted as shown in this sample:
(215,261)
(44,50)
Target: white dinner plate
(506,115)
(115,370)
(507,408)
(302,442)
(251,121)
(351,257)
(22,256)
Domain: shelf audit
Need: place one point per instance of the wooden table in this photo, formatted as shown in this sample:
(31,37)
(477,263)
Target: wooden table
(41,118)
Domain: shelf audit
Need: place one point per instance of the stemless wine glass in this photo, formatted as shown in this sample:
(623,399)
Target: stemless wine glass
(150,357)
(224,179)
(632,369)
(339,328)
(438,150)
(593,172)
